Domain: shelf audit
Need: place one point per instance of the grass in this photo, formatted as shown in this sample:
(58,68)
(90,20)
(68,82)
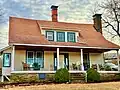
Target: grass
(89,86)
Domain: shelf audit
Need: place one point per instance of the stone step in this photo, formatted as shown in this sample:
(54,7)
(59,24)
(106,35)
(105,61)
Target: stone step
(77,77)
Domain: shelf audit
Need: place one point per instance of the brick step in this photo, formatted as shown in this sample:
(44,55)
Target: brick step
(77,74)
(77,79)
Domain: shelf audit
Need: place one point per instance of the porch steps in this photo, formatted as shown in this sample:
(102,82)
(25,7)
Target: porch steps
(77,77)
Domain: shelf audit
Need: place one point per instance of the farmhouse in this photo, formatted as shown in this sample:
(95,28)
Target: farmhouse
(41,46)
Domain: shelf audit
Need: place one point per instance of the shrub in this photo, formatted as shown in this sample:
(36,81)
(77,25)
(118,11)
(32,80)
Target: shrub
(62,76)
(107,68)
(93,75)
(21,78)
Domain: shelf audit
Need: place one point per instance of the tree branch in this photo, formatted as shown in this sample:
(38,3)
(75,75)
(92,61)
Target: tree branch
(109,24)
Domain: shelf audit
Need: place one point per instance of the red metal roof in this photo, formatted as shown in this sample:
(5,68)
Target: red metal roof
(28,31)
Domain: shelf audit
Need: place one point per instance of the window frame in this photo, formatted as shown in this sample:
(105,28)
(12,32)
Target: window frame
(27,56)
(4,60)
(34,56)
(69,36)
(57,36)
(47,35)
(42,57)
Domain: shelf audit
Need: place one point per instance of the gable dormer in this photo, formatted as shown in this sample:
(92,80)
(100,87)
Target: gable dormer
(60,35)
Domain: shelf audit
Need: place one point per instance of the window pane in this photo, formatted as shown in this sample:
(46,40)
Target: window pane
(71,37)
(30,54)
(6,58)
(39,59)
(39,54)
(61,36)
(30,61)
(30,57)
(50,35)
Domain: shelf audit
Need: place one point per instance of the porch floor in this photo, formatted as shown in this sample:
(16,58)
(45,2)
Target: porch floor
(55,71)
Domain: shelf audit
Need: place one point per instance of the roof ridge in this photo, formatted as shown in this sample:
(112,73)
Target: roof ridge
(50,21)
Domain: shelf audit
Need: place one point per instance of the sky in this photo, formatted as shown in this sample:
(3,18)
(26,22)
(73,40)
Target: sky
(76,11)
(40,9)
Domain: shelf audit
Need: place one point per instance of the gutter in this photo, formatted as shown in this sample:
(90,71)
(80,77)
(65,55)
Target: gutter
(64,46)
(7,47)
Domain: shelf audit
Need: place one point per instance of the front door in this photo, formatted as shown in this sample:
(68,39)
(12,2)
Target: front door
(86,61)
(63,61)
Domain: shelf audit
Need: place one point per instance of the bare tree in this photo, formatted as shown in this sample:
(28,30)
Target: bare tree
(111,16)
(95,9)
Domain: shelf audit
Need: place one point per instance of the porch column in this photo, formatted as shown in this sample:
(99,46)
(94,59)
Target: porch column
(58,58)
(118,60)
(82,66)
(12,59)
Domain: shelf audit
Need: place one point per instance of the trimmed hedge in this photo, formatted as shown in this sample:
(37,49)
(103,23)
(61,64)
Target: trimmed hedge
(92,75)
(21,78)
(62,76)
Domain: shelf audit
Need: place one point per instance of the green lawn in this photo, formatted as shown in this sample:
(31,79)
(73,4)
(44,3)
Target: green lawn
(92,86)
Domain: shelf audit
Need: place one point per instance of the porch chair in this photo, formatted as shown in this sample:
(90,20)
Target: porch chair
(101,67)
(79,67)
(94,66)
(74,66)
(51,67)
(26,66)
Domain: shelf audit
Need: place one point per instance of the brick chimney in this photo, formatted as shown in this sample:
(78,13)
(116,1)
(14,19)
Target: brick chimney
(97,22)
(54,13)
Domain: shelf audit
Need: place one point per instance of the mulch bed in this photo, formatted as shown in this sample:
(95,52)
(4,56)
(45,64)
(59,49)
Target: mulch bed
(2,85)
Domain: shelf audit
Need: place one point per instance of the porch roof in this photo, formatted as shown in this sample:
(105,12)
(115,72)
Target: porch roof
(66,49)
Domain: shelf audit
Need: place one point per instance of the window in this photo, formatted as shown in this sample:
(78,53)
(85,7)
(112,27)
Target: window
(30,57)
(50,35)
(71,36)
(6,60)
(35,57)
(39,58)
(61,36)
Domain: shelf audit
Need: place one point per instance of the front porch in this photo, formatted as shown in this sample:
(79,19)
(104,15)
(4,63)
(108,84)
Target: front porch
(53,58)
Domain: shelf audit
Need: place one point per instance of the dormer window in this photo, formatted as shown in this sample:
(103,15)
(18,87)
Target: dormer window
(70,36)
(50,35)
(61,36)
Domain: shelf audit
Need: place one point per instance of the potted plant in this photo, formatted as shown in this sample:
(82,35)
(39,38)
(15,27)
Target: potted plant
(36,66)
